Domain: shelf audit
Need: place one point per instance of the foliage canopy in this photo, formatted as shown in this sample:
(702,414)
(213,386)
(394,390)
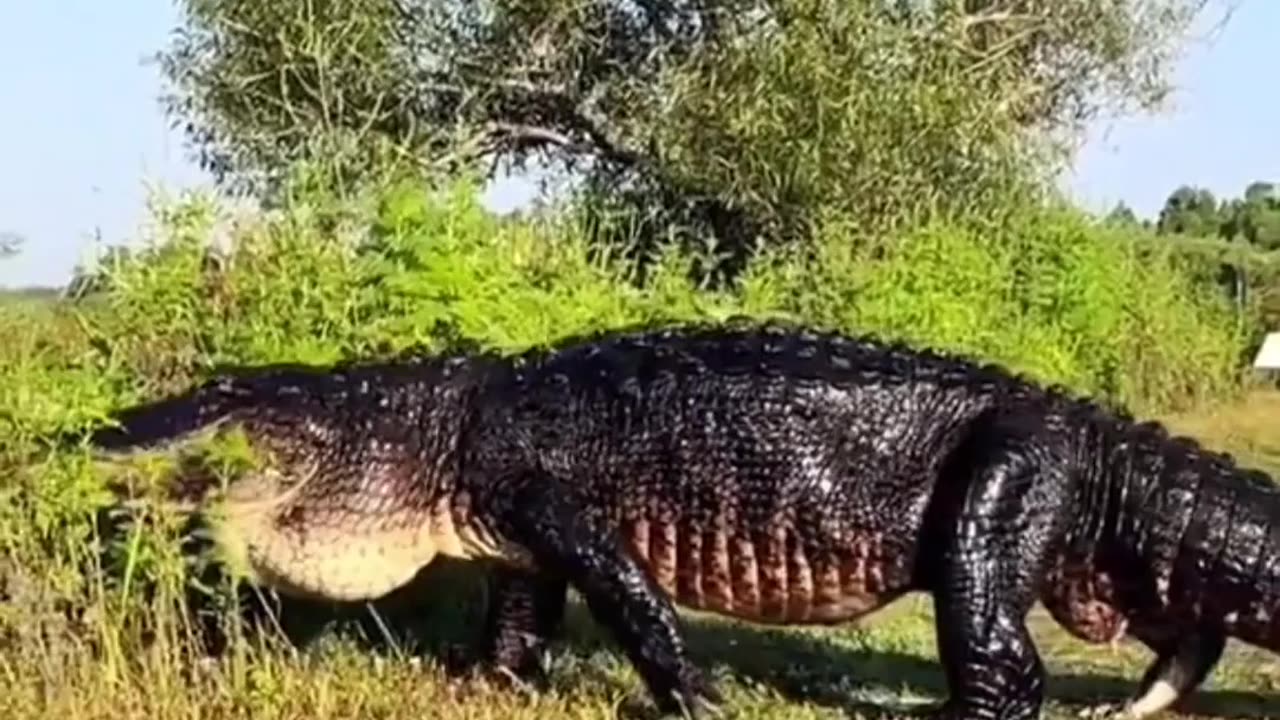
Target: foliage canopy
(739,120)
(1253,218)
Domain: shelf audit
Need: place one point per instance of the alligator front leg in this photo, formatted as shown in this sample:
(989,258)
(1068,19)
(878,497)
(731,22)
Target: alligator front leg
(1007,497)
(541,516)
(525,611)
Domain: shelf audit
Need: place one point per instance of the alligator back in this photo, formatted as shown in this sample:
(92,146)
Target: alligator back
(772,474)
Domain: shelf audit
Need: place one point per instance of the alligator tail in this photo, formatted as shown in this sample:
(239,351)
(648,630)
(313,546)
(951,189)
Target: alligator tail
(1206,526)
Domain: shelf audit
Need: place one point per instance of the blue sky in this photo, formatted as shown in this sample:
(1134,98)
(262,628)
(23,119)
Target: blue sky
(82,136)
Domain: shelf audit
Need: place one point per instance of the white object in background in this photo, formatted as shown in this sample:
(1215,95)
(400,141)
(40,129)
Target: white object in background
(1269,355)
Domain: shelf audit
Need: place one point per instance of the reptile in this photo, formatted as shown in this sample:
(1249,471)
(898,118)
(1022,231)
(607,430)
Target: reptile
(767,471)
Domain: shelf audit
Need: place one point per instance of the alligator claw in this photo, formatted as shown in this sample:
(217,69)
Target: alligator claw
(697,699)
(529,680)
(529,683)
(697,706)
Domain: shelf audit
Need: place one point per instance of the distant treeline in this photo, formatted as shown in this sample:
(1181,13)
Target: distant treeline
(1252,218)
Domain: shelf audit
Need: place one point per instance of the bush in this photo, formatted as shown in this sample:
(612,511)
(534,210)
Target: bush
(1048,293)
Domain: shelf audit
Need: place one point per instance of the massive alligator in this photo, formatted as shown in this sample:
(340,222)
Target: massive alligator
(772,473)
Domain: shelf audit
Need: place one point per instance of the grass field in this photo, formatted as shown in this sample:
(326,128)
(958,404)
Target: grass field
(881,668)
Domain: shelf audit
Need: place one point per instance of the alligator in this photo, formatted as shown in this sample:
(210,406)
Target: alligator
(766,471)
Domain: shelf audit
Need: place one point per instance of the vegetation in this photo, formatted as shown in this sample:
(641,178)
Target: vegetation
(1253,218)
(110,603)
(733,123)
(1238,238)
(867,166)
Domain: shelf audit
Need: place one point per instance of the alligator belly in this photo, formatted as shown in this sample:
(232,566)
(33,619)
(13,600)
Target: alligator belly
(338,568)
(361,558)
(764,577)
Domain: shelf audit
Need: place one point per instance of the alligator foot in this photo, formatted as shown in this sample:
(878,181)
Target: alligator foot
(1176,671)
(524,683)
(620,595)
(696,700)
(456,658)
(461,662)
(524,614)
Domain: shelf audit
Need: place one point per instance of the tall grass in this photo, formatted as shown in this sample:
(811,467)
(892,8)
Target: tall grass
(100,602)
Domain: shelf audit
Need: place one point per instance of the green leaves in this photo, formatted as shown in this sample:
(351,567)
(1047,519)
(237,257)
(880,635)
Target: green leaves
(727,123)
(416,264)
(1257,216)
(1253,218)
(1095,307)
(261,87)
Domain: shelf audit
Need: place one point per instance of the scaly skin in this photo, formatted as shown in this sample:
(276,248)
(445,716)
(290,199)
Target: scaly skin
(772,474)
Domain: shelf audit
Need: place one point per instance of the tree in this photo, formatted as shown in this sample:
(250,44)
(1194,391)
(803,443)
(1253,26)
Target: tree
(742,120)
(1122,214)
(1257,216)
(1253,218)
(1190,211)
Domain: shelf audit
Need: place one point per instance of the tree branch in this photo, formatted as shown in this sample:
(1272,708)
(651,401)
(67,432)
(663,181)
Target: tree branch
(534,135)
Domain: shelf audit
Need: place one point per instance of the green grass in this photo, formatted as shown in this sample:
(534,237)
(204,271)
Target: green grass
(883,665)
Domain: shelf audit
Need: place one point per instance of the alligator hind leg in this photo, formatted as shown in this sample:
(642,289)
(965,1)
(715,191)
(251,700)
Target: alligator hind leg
(998,525)
(1176,671)
(525,611)
(541,516)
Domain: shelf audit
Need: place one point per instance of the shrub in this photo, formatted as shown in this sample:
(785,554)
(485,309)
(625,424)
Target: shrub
(1047,292)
